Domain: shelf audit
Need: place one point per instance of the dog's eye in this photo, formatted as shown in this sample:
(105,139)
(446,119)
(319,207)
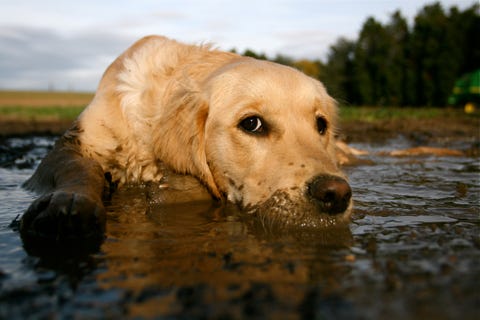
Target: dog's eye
(252,124)
(322,125)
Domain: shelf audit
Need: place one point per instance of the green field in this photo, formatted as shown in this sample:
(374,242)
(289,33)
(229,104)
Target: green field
(38,105)
(372,114)
(38,113)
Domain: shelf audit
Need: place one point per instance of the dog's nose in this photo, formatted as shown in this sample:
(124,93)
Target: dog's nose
(331,192)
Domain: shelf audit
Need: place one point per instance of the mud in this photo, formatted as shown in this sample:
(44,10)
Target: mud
(438,130)
(411,251)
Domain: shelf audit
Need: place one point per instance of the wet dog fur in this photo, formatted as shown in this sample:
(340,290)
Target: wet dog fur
(254,133)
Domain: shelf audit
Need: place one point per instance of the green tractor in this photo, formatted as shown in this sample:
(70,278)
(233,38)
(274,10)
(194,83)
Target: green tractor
(466,92)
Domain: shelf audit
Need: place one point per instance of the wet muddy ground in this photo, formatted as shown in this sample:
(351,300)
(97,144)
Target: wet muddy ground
(411,252)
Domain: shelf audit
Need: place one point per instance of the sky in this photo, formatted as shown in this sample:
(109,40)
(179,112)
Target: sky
(67,44)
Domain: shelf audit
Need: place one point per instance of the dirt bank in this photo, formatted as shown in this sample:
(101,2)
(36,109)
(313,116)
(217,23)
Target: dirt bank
(25,127)
(421,131)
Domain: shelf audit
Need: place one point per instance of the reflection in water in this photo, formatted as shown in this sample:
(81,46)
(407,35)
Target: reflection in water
(200,246)
(411,252)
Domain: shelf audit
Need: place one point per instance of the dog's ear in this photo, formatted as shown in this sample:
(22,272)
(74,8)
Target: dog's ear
(179,136)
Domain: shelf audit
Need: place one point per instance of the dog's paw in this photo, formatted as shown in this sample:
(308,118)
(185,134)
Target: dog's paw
(63,217)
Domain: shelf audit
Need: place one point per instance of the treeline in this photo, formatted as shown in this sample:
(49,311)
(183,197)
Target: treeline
(395,64)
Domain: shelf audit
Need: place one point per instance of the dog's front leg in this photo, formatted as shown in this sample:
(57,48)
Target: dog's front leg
(70,207)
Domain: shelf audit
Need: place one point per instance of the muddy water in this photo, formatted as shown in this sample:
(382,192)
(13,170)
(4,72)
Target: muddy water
(412,251)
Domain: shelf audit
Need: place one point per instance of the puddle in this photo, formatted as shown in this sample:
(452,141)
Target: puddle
(412,252)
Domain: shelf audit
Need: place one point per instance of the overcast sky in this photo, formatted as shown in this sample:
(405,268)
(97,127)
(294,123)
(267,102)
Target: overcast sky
(66,45)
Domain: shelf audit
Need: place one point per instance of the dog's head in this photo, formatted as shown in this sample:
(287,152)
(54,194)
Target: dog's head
(263,137)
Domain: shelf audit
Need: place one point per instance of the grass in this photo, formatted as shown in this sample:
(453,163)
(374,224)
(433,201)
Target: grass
(44,98)
(38,113)
(38,105)
(375,114)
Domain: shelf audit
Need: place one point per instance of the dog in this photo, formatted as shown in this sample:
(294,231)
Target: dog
(254,133)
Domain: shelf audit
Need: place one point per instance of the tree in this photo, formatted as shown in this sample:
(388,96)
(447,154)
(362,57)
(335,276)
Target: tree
(399,64)
(310,68)
(394,64)
(433,51)
(371,62)
(287,61)
(252,54)
(464,29)
(338,75)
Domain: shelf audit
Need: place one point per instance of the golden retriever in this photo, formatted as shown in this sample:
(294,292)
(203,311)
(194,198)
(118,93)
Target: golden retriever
(254,133)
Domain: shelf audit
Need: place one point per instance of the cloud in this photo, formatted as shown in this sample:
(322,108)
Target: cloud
(169,15)
(42,58)
(308,43)
(68,45)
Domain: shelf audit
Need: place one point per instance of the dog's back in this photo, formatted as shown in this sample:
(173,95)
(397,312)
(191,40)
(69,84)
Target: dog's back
(133,95)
